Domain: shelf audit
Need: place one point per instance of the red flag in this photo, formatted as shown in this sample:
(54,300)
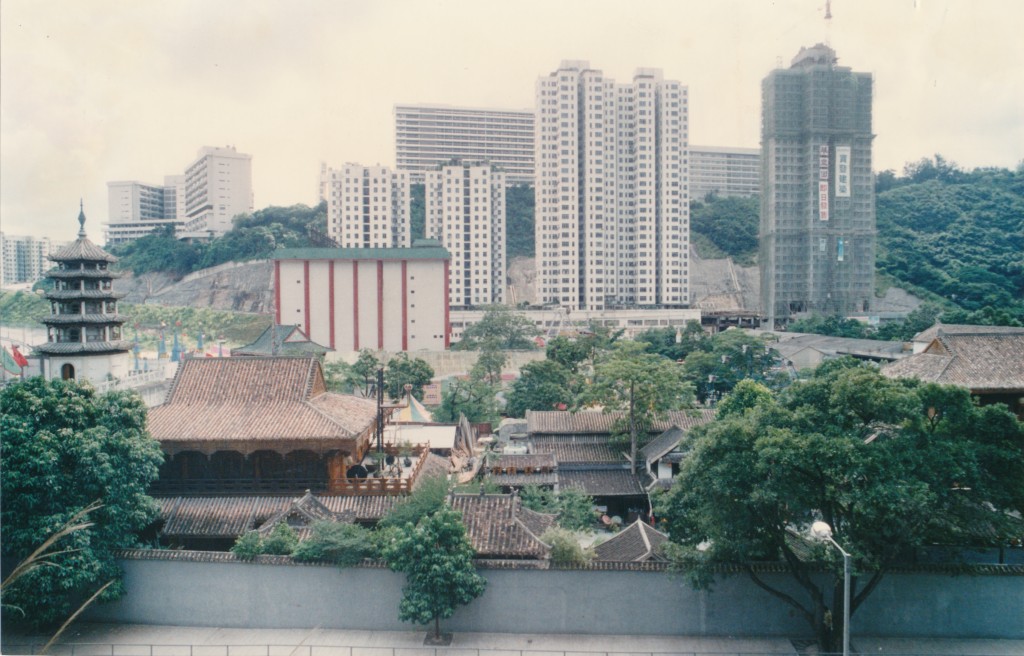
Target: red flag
(19,359)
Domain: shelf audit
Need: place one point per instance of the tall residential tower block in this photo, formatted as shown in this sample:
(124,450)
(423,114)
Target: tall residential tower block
(465,211)
(817,229)
(367,206)
(612,203)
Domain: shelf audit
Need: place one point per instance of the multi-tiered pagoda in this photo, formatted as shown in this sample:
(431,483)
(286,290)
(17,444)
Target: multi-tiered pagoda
(84,328)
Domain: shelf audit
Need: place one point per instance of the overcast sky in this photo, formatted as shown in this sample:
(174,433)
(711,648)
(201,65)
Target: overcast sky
(100,90)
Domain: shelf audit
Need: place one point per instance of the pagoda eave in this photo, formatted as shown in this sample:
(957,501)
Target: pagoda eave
(91,319)
(83,294)
(73,348)
(65,274)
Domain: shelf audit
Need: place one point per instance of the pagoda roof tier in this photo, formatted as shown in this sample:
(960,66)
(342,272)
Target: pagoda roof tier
(64,274)
(83,294)
(66,319)
(71,348)
(82,250)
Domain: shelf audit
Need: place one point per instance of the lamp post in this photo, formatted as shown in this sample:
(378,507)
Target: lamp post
(822,531)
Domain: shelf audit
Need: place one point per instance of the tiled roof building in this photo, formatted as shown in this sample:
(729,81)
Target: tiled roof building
(990,364)
(258,424)
(636,543)
(500,527)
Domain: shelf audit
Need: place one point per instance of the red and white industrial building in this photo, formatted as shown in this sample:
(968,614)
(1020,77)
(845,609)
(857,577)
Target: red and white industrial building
(390,299)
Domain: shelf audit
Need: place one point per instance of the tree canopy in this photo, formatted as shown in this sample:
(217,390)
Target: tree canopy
(403,370)
(64,448)
(642,386)
(502,328)
(437,559)
(889,465)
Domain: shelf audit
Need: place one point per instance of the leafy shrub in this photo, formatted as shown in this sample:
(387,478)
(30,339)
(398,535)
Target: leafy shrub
(565,549)
(282,541)
(575,510)
(248,545)
(426,500)
(334,542)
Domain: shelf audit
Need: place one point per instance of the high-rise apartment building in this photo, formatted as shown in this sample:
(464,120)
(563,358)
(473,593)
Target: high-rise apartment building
(428,136)
(136,209)
(367,206)
(724,172)
(612,203)
(218,187)
(465,211)
(817,229)
(200,203)
(23,259)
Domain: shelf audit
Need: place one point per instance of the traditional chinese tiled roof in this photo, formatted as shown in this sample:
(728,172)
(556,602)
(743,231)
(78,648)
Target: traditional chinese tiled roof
(989,362)
(242,402)
(636,543)
(499,527)
(216,517)
(577,452)
(82,250)
(930,334)
(594,422)
(290,340)
(522,480)
(229,517)
(302,513)
(662,444)
(522,462)
(602,482)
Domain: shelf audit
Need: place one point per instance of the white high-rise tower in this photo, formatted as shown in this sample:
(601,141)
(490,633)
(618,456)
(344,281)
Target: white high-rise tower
(465,211)
(612,209)
(367,206)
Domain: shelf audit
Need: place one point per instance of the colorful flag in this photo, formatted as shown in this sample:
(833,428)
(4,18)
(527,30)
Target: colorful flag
(18,357)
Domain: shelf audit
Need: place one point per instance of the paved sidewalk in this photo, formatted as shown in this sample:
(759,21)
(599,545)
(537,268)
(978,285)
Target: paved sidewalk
(130,639)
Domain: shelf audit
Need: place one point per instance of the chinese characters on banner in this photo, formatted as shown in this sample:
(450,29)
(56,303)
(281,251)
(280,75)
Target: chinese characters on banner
(823,182)
(842,171)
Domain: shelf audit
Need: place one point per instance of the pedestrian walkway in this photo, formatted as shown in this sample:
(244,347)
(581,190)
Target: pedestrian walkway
(93,639)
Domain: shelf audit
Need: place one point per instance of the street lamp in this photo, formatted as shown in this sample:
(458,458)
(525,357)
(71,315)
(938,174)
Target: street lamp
(822,531)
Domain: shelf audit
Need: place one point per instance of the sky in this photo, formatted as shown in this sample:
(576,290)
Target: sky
(105,90)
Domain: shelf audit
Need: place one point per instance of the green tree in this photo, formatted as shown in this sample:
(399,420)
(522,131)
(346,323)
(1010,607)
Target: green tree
(248,545)
(573,509)
(336,542)
(542,385)
(889,465)
(428,497)
(675,346)
(565,548)
(437,560)
(359,378)
(489,364)
(728,358)
(281,541)
(65,447)
(402,371)
(472,397)
(640,385)
(502,328)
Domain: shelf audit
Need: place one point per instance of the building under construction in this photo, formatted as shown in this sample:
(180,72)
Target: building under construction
(818,202)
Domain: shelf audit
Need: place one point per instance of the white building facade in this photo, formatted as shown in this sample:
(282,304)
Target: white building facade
(24,259)
(612,199)
(724,172)
(392,299)
(465,211)
(135,209)
(367,206)
(428,136)
(218,187)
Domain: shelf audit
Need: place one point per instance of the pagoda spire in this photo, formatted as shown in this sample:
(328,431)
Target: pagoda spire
(81,219)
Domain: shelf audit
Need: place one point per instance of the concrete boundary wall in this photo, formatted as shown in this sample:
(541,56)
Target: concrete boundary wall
(228,593)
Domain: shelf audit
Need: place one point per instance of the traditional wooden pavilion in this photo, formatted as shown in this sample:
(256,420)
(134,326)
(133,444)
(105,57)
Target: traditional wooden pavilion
(258,425)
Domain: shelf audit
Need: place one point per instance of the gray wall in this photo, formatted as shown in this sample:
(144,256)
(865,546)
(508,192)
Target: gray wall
(238,594)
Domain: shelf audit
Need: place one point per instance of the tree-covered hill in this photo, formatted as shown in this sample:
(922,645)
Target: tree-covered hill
(254,236)
(955,234)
